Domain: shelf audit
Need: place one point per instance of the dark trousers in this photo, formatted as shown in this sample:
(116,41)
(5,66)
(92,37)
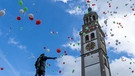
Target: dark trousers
(40,73)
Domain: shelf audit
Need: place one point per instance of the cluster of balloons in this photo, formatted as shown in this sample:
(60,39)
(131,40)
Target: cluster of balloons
(25,9)
(70,38)
(47,50)
(117,42)
(52,32)
(31,16)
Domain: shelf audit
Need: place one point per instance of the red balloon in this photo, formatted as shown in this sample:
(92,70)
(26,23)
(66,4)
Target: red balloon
(38,22)
(93,4)
(31,18)
(1,68)
(132,71)
(18,18)
(58,50)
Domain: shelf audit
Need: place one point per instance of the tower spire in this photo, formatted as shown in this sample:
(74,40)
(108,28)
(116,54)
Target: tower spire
(89,8)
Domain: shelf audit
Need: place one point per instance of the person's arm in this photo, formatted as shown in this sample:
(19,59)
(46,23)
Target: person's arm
(51,57)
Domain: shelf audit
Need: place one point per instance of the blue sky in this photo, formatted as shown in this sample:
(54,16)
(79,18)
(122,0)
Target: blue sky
(19,48)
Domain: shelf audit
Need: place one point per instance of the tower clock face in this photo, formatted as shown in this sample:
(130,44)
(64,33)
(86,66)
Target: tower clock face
(90,46)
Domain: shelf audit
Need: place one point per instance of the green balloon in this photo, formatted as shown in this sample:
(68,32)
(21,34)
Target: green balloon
(20,2)
(114,22)
(25,9)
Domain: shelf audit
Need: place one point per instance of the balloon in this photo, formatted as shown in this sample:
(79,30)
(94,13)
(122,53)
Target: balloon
(105,21)
(52,32)
(25,9)
(112,34)
(31,18)
(132,71)
(38,22)
(21,28)
(132,9)
(20,2)
(46,66)
(65,52)
(58,50)
(119,42)
(60,71)
(73,71)
(18,18)
(116,40)
(63,62)
(2,12)
(44,47)
(48,50)
(21,11)
(93,4)
(1,68)
(33,57)
(56,32)
(30,15)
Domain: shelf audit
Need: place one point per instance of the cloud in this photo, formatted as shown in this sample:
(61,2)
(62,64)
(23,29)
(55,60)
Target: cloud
(119,67)
(124,35)
(75,43)
(116,6)
(64,1)
(75,11)
(2,56)
(71,64)
(16,43)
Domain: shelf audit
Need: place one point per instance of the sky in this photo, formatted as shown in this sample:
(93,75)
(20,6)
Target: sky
(60,21)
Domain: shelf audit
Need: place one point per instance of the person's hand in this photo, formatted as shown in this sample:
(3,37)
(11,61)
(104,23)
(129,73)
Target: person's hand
(55,57)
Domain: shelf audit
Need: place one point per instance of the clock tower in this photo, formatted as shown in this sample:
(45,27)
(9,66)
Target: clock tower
(94,59)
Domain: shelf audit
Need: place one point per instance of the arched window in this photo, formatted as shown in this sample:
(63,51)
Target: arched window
(92,35)
(94,18)
(87,38)
(90,18)
(87,19)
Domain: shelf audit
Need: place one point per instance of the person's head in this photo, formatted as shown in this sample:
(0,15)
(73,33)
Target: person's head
(42,54)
